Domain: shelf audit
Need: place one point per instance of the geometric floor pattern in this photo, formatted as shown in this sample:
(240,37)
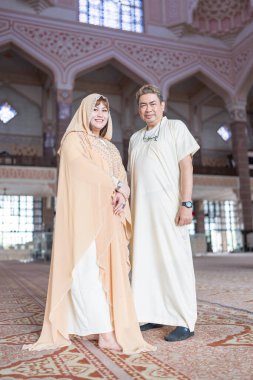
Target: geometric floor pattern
(222,347)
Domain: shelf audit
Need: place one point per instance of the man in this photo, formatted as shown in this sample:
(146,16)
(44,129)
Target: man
(160,170)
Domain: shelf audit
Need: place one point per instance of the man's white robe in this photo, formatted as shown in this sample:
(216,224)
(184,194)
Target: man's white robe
(163,280)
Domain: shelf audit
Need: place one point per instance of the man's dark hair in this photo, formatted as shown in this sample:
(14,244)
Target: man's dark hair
(149,89)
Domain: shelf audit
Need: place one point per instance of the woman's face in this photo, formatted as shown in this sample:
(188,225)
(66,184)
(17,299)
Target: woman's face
(99,117)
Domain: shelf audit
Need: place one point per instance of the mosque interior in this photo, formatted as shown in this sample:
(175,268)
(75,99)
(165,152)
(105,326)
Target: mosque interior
(53,53)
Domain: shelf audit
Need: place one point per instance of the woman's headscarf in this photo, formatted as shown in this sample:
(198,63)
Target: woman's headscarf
(81,119)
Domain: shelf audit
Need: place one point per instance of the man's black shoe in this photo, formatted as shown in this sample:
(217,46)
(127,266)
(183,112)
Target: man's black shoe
(149,326)
(180,333)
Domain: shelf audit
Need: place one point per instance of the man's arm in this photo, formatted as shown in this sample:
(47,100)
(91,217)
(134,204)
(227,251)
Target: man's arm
(184,215)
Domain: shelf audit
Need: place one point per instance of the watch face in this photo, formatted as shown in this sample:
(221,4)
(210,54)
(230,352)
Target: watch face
(188,204)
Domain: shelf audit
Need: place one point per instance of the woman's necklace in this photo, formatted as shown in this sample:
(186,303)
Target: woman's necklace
(155,137)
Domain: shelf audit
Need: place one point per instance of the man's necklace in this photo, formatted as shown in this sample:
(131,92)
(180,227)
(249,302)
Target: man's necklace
(155,137)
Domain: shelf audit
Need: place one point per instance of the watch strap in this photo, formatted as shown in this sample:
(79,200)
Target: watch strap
(187,204)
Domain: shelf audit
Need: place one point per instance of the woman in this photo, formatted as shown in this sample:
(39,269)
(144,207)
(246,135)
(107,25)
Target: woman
(89,290)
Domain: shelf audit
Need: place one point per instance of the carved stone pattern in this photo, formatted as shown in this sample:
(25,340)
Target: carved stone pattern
(28,173)
(38,5)
(220,17)
(173,10)
(224,66)
(4,25)
(238,114)
(219,8)
(65,47)
(158,60)
(64,96)
(241,59)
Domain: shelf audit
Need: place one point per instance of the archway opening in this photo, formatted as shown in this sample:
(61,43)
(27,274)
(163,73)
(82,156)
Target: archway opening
(28,88)
(27,129)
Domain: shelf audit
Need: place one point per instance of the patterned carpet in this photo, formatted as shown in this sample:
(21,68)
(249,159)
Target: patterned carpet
(221,349)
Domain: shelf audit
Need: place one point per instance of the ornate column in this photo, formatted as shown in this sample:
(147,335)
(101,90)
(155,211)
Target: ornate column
(64,101)
(48,213)
(196,130)
(240,152)
(199,216)
(49,148)
(48,227)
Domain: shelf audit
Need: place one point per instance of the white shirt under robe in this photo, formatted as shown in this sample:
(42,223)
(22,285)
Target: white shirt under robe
(163,280)
(89,312)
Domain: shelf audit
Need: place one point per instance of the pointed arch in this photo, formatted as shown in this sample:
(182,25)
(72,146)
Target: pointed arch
(129,67)
(35,57)
(215,83)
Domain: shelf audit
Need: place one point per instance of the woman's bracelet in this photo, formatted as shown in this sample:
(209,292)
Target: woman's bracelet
(119,186)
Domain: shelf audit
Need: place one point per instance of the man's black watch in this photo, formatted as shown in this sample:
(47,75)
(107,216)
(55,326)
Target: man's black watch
(187,204)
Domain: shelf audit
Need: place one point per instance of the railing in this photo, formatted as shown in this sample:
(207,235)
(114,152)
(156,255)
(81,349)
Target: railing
(42,245)
(7,159)
(38,247)
(27,160)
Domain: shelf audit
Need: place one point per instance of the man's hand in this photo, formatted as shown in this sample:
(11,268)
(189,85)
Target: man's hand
(118,203)
(184,216)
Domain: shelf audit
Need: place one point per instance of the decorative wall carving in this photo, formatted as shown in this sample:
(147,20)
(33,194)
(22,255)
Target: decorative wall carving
(64,96)
(160,61)
(64,100)
(39,5)
(172,10)
(163,61)
(45,174)
(218,9)
(224,66)
(65,47)
(238,113)
(219,17)
(18,180)
(4,25)
(241,59)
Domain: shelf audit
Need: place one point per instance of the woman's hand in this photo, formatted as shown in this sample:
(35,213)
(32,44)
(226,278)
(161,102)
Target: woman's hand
(118,203)
(123,188)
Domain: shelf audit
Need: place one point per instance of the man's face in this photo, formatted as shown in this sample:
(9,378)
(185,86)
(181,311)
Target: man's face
(151,109)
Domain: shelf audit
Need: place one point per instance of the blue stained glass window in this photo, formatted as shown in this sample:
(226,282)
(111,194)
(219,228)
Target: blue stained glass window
(118,14)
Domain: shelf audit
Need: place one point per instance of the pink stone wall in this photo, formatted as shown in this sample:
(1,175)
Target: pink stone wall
(68,48)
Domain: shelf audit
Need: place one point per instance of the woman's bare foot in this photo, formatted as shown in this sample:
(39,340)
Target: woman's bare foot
(108,341)
(92,337)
